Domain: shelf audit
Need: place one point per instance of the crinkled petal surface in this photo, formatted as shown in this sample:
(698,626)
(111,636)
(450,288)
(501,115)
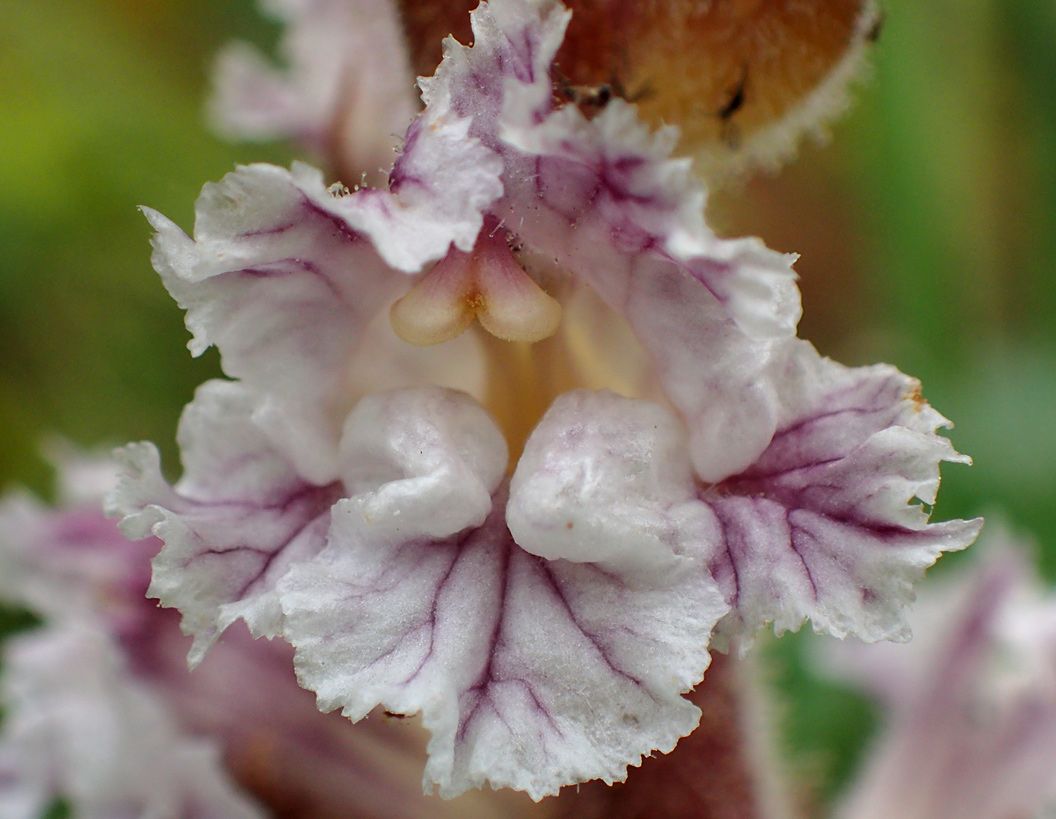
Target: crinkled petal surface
(530,673)
(99,739)
(233,524)
(603,199)
(824,525)
(605,479)
(284,276)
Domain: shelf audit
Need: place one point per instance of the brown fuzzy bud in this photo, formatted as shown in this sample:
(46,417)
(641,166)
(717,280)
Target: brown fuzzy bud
(743,79)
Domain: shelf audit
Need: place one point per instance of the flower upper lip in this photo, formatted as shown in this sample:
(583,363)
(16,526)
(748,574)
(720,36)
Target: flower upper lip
(601,197)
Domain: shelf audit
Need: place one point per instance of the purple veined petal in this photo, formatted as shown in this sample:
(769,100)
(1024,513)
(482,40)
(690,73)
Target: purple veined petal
(285,276)
(347,94)
(275,741)
(615,186)
(530,674)
(603,199)
(607,185)
(514,42)
(822,527)
(826,524)
(283,287)
(233,524)
(971,728)
(99,738)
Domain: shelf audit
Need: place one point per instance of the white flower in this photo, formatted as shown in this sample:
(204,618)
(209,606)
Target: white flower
(547,623)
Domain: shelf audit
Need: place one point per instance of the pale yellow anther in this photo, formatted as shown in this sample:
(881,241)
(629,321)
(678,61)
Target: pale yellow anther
(487,285)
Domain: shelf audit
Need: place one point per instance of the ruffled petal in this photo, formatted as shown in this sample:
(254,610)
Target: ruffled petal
(529,673)
(603,198)
(347,93)
(100,739)
(285,276)
(233,524)
(619,197)
(828,524)
(606,185)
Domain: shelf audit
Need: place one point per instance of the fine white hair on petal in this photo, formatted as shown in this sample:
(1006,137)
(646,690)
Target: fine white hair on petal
(232,525)
(776,143)
(98,738)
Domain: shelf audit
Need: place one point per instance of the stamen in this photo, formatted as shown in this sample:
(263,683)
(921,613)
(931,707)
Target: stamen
(488,285)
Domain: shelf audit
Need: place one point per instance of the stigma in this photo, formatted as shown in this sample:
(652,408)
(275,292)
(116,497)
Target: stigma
(487,285)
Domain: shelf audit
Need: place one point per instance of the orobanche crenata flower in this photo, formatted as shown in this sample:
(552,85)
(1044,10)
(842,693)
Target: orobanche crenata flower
(514,441)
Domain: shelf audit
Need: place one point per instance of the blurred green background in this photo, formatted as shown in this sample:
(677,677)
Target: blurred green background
(927,228)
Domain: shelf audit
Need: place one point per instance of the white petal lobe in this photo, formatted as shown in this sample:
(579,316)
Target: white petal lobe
(238,518)
(530,673)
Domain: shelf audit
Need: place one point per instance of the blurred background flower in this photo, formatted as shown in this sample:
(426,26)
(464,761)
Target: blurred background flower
(927,229)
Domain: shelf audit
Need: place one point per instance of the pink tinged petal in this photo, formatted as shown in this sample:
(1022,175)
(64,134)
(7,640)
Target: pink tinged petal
(972,728)
(232,525)
(348,90)
(283,287)
(284,276)
(614,186)
(530,674)
(600,191)
(99,738)
(824,525)
(513,42)
(443,180)
(66,563)
(253,100)
(604,199)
